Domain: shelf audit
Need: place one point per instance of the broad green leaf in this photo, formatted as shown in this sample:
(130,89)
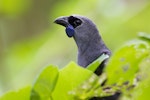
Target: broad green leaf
(124,64)
(45,84)
(93,66)
(69,78)
(142,86)
(22,94)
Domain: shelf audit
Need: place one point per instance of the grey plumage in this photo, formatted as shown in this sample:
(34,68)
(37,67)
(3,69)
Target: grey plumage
(86,35)
(89,42)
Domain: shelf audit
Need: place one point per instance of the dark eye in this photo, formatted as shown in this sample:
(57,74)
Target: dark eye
(75,22)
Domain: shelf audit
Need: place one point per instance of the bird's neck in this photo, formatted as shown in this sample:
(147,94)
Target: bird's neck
(90,50)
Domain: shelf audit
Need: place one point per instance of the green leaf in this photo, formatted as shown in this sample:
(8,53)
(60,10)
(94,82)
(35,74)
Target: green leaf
(93,66)
(90,88)
(69,78)
(124,64)
(142,87)
(142,91)
(22,94)
(144,35)
(45,84)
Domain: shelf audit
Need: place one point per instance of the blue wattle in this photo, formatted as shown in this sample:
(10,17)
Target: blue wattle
(70,30)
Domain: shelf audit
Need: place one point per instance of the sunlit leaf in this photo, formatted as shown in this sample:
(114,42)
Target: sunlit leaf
(142,89)
(124,64)
(69,78)
(45,84)
(22,94)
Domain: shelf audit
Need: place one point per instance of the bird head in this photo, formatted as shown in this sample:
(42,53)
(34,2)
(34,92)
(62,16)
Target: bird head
(79,27)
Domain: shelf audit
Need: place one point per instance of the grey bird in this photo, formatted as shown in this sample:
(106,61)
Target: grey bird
(86,35)
(89,42)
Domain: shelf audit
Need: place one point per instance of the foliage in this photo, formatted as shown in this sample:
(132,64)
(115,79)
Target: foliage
(22,94)
(127,72)
(27,33)
(29,40)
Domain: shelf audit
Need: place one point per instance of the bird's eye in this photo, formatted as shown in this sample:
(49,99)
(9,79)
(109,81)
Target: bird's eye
(75,22)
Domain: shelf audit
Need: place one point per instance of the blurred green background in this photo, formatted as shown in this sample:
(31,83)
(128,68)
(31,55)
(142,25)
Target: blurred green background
(29,40)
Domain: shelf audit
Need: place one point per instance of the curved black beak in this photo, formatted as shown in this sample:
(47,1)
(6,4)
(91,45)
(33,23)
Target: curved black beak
(62,21)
